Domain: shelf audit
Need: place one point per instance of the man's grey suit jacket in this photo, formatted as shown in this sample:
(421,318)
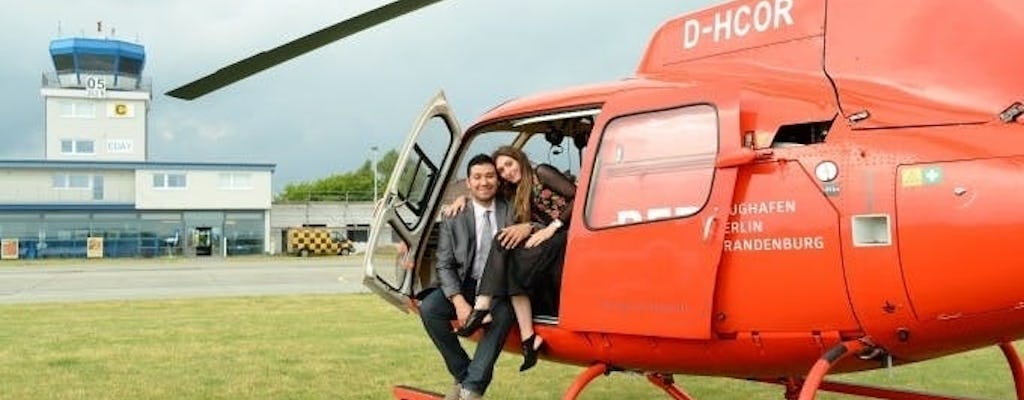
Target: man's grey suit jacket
(456,247)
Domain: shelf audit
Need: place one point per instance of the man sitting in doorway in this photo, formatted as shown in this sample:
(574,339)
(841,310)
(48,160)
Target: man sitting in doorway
(462,251)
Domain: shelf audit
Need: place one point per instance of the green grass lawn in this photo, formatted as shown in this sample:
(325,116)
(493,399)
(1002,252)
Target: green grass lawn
(324,347)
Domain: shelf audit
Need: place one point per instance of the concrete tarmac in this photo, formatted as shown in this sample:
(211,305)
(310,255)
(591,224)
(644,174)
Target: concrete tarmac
(132,279)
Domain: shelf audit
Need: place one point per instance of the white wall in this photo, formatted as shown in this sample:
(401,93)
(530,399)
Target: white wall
(117,126)
(34,186)
(203,191)
(329,213)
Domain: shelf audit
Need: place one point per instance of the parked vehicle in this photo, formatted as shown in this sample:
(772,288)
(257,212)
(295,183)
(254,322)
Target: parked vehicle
(306,241)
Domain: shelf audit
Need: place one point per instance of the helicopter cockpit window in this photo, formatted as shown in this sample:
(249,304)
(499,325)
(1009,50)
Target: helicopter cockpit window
(653,166)
(555,150)
(554,139)
(558,139)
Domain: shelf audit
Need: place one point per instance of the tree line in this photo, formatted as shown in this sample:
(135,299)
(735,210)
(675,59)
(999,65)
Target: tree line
(349,186)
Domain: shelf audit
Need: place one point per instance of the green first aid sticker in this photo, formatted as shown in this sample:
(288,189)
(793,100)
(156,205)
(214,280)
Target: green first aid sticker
(932,175)
(920,176)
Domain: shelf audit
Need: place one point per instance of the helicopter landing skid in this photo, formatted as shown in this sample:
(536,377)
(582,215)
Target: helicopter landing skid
(806,390)
(666,383)
(1013,359)
(810,385)
(663,381)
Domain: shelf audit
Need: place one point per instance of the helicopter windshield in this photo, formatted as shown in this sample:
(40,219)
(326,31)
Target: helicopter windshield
(554,139)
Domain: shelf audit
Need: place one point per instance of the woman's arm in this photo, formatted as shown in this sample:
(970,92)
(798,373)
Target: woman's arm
(458,203)
(552,178)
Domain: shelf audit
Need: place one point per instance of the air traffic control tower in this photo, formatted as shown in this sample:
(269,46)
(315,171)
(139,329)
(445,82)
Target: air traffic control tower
(97,193)
(96,101)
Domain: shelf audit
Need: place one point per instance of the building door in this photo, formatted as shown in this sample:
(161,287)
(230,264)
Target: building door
(97,187)
(204,241)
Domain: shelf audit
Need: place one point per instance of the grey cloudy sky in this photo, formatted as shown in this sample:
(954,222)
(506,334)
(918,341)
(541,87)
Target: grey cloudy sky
(320,113)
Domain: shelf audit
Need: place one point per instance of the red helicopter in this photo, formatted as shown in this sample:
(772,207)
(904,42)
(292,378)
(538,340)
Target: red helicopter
(785,189)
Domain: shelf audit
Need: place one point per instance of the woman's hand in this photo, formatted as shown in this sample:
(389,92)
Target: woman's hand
(457,205)
(540,236)
(510,236)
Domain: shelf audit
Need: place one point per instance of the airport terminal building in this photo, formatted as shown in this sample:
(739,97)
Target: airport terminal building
(95,193)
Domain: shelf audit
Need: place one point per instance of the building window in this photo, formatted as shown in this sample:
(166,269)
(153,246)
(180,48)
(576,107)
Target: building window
(71,181)
(169,180)
(235,180)
(653,166)
(130,66)
(69,146)
(64,63)
(95,62)
(77,109)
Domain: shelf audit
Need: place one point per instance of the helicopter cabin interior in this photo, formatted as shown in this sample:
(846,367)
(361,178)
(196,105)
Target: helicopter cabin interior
(556,139)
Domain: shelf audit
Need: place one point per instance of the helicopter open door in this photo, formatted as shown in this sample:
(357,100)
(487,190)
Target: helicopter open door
(403,215)
(646,242)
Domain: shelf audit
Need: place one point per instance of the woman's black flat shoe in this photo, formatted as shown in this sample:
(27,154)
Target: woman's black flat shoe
(530,352)
(473,322)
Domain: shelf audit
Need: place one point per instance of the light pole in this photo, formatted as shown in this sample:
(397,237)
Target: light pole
(373,152)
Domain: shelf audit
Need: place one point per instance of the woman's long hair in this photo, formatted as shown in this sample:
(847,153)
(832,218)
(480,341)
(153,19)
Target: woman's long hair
(519,193)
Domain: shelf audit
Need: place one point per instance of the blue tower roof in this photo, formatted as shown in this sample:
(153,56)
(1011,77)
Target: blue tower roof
(119,63)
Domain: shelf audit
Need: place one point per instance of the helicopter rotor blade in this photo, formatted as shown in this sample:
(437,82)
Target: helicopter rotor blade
(266,59)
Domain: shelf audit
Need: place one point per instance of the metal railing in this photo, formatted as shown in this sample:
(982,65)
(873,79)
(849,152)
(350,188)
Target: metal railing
(145,83)
(331,196)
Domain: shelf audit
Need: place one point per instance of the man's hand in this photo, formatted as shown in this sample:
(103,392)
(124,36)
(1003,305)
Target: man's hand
(540,236)
(462,308)
(510,236)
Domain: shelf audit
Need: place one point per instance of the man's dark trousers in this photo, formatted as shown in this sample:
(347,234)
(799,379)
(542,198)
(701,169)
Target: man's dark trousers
(437,312)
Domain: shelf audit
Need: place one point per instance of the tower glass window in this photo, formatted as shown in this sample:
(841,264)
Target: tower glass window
(129,66)
(96,62)
(64,62)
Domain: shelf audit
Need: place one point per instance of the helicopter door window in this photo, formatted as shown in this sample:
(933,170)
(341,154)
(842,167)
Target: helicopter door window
(419,173)
(653,166)
(417,176)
